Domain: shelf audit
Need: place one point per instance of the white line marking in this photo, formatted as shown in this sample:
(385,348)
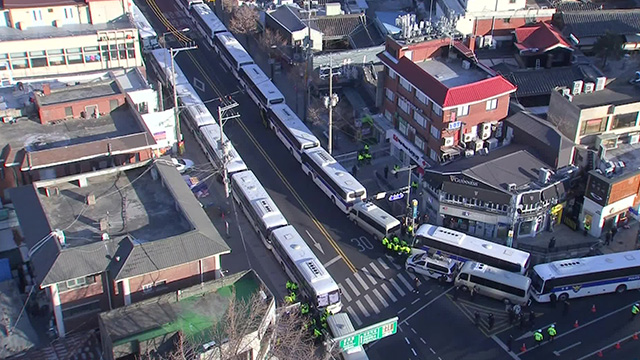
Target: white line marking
(405,282)
(352,286)
(424,342)
(414,331)
(338,257)
(432,351)
(407,340)
(414,352)
(402,310)
(559,352)
(415,301)
(427,304)
(597,351)
(382,300)
(386,289)
(398,289)
(383,263)
(369,276)
(344,292)
(504,347)
(373,305)
(393,263)
(354,316)
(364,284)
(362,309)
(378,272)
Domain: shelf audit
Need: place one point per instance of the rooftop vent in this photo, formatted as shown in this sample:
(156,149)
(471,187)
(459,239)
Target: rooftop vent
(91,199)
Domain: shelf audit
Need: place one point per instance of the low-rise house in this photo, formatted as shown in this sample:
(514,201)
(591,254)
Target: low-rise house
(541,45)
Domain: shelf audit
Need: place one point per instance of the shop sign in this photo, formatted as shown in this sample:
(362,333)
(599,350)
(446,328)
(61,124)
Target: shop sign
(462,181)
(411,150)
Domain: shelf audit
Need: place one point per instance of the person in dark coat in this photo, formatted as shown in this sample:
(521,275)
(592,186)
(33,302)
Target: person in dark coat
(607,238)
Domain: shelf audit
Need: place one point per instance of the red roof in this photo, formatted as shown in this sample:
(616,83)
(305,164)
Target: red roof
(444,96)
(15,4)
(541,36)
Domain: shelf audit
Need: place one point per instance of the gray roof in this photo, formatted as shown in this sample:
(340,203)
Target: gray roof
(540,130)
(534,82)
(288,17)
(615,95)
(47,32)
(80,92)
(597,23)
(576,5)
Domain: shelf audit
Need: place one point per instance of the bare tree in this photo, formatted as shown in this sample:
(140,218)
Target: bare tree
(244,20)
(270,39)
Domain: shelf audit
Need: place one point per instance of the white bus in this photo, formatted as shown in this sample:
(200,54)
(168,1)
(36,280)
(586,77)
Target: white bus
(209,139)
(195,112)
(259,87)
(302,265)
(338,184)
(587,276)
(207,22)
(148,36)
(341,325)
(496,283)
(161,65)
(186,5)
(293,133)
(463,247)
(254,200)
(374,220)
(231,52)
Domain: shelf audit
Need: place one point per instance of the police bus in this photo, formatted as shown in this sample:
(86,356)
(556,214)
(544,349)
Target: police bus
(186,5)
(587,276)
(301,264)
(338,184)
(209,139)
(340,325)
(195,112)
(256,204)
(293,133)
(499,284)
(463,247)
(207,22)
(374,220)
(259,87)
(231,52)
(161,64)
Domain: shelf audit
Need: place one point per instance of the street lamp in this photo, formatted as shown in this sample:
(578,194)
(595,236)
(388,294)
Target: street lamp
(271,60)
(408,169)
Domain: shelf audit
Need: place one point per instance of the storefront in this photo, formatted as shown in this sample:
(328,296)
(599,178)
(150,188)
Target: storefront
(405,151)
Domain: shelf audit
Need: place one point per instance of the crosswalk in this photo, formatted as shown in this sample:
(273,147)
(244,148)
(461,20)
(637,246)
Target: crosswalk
(374,288)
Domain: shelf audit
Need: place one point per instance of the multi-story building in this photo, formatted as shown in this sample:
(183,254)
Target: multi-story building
(442,101)
(41,37)
(105,239)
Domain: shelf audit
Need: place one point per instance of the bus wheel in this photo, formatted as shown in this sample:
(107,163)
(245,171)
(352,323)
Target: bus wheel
(411,270)
(621,288)
(563,297)
(333,199)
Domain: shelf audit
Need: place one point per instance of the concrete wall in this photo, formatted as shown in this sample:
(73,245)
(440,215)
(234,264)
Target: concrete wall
(64,14)
(564,115)
(57,111)
(104,11)
(493,5)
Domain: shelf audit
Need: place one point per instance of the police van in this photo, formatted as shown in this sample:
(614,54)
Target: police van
(437,267)
(340,325)
(374,220)
(493,282)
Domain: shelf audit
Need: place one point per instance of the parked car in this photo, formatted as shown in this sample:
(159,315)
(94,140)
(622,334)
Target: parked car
(435,267)
(182,165)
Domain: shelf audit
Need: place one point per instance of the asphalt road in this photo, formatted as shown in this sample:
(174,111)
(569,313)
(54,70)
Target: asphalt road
(375,287)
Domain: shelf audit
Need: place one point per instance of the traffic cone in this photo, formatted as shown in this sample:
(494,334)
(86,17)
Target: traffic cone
(635,336)
(618,345)
(600,353)
(523,348)
(593,308)
(575,325)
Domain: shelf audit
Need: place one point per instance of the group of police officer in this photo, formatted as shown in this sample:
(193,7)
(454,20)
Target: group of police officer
(364,155)
(396,245)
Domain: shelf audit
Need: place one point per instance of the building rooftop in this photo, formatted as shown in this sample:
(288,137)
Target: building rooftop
(627,153)
(80,92)
(541,130)
(576,5)
(598,22)
(152,218)
(197,311)
(534,82)
(288,17)
(23,335)
(451,73)
(48,32)
(538,38)
(615,95)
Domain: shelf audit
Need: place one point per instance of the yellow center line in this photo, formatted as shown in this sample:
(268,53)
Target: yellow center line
(318,224)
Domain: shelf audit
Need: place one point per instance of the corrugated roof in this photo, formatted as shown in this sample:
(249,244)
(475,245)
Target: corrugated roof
(599,22)
(576,5)
(534,82)
(288,17)
(338,26)
(541,36)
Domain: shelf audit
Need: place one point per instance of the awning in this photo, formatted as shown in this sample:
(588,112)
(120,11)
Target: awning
(531,198)
(476,193)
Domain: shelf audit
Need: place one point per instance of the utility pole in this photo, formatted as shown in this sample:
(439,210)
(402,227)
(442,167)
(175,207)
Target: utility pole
(309,62)
(224,145)
(330,102)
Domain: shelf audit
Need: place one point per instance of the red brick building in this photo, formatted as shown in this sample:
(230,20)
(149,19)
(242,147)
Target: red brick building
(442,102)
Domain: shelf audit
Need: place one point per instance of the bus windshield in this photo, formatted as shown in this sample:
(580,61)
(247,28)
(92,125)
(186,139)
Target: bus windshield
(334,297)
(537,282)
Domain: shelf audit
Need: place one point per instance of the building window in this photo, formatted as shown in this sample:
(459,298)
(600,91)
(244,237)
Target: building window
(113,104)
(390,95)
(420,119)
(388,115)
(19,64)
(433,155)
(624,120)
(76,283)
(68,13)
(147,288)
(56,60)
(492,104)
(68,111)
(404,105)
(419,143)
(37,15)
(405,84)
(435,132)
(403,127)
(437,109)
(37,59)
(93,306)
(392,74)
(18,55)
(463,110)
(74,59)
(422,97)
(592,126)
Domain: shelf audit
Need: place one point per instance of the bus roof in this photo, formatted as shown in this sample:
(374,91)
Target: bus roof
(209,17)
(334,170)
(144,27)
(234,48)
(162,57)
(197,110)
(212,134)
(569,267)
(259,199)
(374,212)
(294,125)
(493,273)
(305,260)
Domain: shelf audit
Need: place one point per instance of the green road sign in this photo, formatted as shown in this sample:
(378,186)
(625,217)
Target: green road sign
(369,334)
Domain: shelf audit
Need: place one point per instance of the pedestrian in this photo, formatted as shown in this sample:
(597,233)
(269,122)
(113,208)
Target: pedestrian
(552,243)
(354,171)
(635,309)
(552,300)
(538,337)
(456,292)
(425,219)
(472,292)
(476,318)
(417,282)
(614,231)
(386,171)
(512,316)
(607,238)
(552,332)
(491,321)
(532,318)
(565,308)
(522,321)
(510,342)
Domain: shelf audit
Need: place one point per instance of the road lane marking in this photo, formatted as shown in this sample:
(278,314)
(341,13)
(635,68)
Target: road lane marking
(383,264)
(338,257)
(362,309)
(364,284)
(393,263)
(504,347)
(354,316)
(352,286)
(425,305)
(407,340)
(372,304)
(414,331)
(386,289)
(424,342)
(379,296)
(415,301)
(414,352)
(377,271)
(398,289)
(559,352)
(432,351)
(405,282)
(344,292)
(369,276)
(402,310)
(603,348)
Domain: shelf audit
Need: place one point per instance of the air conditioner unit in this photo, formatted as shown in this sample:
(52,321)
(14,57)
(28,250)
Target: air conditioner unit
(448,141)
(466,64)
(589,87)
(569,97)
(600,83)
(485,133)
(468,137)
(491,144)
(576,89)
(634,138)
(484,151)
(469,153)
(565,91)
(479,144)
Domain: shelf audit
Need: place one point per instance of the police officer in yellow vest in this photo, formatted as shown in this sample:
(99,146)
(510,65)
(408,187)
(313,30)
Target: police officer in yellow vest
(410,230)
(538,336)
(396,240)
(635,309)
(390,246)
(385,241)
(552,332)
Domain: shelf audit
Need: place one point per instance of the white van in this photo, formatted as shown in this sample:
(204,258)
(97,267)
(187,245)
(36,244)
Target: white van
(435,267)
(374,220)
(493,282)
